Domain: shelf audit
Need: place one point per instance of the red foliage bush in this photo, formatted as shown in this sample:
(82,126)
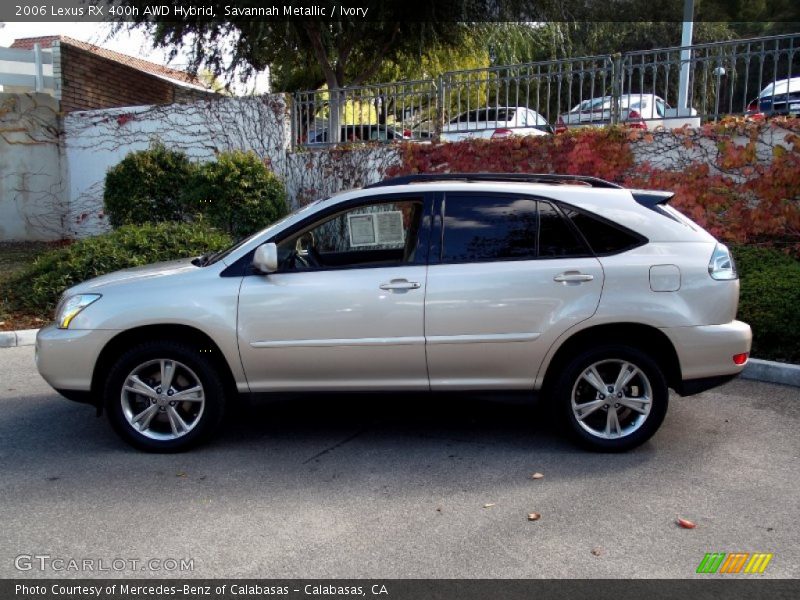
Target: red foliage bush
(744,188)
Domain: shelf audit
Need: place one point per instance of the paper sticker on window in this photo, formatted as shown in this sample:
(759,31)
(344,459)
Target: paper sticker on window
(362,230)
(389,227)
(376,228)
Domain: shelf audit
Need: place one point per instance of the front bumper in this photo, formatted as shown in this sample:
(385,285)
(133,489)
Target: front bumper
(706,353)
(66,358)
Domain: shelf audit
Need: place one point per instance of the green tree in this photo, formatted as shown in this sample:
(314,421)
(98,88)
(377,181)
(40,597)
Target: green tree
(337,53)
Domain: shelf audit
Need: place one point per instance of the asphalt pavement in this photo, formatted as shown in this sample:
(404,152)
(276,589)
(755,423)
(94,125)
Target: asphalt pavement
(420,487)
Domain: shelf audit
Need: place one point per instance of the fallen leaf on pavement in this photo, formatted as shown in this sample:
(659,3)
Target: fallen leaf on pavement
(597,551)
(181,474)
(490,505)
(537,476)
(686,523)
(534,516)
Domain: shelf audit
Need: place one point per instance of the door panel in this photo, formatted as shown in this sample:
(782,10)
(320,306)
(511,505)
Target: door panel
(489,325)
(512,275)
(333,330)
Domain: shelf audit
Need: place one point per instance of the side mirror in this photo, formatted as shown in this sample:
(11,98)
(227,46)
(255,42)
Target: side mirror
(266,258)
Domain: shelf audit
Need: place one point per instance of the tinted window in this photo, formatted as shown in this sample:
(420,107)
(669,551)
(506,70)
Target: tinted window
(604,238)
(478,228)
(556,238)
(485,114)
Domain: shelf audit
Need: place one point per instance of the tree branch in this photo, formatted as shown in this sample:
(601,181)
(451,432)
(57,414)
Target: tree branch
(378,60)
(314,35)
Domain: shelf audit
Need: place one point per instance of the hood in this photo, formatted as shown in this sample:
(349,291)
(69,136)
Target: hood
(135,274)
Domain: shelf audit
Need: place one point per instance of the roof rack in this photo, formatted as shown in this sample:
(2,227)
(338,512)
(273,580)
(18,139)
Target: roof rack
(549,178)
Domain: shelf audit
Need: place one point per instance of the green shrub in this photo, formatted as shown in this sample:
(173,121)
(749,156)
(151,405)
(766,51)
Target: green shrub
(237,193)
(36,289)
(769,301)
(149,186)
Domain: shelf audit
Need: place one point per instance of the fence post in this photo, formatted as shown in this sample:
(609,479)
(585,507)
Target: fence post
(294,120)
(56,53)
(616,86)
(439,107)
(37,61)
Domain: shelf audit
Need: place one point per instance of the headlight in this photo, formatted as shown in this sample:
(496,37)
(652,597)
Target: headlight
(69,308)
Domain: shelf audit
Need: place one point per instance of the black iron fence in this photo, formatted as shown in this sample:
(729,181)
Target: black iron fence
(650,89)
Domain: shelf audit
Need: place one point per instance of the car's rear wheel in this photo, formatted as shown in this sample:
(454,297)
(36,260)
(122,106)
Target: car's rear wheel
(164,397)
(614,397)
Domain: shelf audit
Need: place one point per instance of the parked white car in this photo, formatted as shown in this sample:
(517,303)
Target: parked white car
(495,122)
(597,297)
(639,111)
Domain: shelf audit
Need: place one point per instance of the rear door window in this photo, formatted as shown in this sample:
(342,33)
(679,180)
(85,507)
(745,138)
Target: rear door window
(488,228)
(482,228)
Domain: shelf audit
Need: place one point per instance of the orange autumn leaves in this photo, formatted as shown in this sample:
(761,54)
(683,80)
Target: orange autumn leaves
(739,179)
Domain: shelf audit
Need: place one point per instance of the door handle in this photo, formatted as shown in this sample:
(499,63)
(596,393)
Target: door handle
(573,277)
(400,284)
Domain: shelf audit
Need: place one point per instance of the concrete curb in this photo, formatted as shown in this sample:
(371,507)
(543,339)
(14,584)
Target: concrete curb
(23,337)
(757,370)
(772,372)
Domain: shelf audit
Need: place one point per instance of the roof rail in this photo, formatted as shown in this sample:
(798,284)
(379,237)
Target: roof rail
(519,177)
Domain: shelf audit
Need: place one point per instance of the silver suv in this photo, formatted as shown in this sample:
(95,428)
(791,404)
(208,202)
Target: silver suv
(600,297)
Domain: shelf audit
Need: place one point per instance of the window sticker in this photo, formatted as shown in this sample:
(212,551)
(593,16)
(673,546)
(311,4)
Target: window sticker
(390,227)
(377,228)
(362,230)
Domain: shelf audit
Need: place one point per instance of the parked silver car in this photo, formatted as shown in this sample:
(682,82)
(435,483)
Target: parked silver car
(599,297)
(638,111)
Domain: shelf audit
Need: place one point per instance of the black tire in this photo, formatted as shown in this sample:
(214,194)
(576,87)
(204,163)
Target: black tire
(607,360)
(189,362)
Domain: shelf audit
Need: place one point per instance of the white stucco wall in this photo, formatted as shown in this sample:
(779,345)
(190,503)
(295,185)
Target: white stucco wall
(99,139)
(32,172)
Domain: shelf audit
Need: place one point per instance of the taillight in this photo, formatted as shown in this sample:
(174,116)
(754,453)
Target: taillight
(502,133)
(740,359)
(561,127)
(721,266)
(753,110)
(640,124)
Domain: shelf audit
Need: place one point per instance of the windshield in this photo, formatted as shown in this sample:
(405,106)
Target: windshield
(210,259)
(485,115)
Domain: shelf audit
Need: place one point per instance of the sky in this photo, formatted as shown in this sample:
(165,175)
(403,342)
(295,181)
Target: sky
(133,43)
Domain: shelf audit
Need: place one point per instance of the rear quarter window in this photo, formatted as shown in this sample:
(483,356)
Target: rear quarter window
(603,237)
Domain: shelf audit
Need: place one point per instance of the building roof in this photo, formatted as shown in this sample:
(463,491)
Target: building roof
(179,77)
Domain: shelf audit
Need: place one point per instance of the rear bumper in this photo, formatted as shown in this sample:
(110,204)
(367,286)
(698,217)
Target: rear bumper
(706,353)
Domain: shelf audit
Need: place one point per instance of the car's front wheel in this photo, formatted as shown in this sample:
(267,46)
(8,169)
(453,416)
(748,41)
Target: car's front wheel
(164,397)
(614,398)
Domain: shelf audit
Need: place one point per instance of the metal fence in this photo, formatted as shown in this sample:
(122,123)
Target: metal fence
(27,70)
(759,76)
(383,112)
